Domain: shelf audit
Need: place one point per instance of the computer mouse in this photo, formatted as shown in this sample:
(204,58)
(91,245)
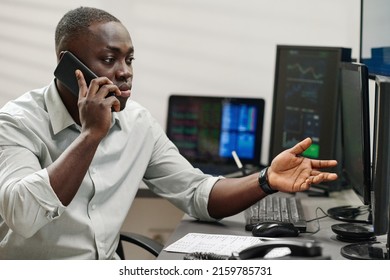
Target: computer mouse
(275,229)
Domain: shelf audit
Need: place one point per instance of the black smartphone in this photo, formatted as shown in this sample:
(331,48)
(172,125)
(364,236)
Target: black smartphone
(65,72)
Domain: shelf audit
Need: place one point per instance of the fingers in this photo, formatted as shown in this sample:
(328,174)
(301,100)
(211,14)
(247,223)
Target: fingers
(83,88)
(326,177)
(101,87)
(300,147)
(114,103)
(318,164)
(321,177)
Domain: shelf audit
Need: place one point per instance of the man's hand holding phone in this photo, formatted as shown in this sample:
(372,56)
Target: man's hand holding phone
(94,106)
(96,95)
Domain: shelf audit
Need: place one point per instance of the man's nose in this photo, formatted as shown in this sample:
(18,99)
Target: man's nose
(124,71)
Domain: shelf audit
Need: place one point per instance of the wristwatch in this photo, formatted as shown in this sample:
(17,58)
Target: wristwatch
(263,182)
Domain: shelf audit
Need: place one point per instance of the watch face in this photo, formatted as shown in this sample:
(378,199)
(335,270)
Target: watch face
(262,172)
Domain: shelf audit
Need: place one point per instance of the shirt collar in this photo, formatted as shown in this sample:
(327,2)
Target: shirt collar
(59,115)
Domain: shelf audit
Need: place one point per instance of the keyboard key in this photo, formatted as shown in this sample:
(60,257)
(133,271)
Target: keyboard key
(277,208)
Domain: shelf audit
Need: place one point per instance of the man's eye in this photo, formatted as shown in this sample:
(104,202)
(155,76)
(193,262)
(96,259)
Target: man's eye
(109,59)
(129,60)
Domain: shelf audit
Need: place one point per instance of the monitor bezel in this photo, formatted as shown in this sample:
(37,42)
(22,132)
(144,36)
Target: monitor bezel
(381,156)
(362,189)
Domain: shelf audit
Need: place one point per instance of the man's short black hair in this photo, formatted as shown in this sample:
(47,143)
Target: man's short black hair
(77,21)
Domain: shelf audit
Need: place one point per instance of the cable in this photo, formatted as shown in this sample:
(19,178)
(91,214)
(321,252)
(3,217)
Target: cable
(317,219)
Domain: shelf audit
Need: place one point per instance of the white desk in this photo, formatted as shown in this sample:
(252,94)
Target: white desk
(235,225)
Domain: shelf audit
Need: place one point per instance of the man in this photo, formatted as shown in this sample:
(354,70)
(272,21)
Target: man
(70,166)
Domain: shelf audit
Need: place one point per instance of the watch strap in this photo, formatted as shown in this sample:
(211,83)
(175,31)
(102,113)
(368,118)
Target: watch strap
(263,182)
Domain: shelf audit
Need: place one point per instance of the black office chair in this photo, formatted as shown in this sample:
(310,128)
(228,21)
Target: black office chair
(150,245)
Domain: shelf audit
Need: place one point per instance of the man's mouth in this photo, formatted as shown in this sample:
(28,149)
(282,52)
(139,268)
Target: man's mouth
(125,90)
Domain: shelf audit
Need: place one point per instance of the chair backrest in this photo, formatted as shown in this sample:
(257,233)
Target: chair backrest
(149,244)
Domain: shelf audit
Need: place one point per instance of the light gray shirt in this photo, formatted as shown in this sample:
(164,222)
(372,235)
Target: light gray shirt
(35,130)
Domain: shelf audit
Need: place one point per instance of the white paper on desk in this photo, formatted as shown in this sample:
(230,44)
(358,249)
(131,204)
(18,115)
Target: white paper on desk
(212,243)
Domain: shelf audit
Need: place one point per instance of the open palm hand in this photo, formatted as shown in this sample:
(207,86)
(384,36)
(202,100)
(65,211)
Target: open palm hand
(290,172)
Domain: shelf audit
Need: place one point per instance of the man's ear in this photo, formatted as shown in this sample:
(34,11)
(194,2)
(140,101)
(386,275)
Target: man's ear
(61,54)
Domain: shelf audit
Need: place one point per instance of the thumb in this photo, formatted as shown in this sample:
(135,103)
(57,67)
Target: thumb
(300,147)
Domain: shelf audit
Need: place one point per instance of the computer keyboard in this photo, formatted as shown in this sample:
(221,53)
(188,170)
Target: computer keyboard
(276,208)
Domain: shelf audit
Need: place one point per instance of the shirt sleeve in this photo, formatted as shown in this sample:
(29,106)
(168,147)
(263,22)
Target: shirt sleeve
(171,176)
(27,201)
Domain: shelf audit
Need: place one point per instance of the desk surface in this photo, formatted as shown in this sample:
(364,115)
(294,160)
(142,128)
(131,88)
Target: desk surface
(235,225)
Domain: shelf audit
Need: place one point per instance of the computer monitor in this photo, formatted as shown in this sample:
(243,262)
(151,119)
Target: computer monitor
(207,129)
(355,140)
(306,99)
(381,155)
(380,178)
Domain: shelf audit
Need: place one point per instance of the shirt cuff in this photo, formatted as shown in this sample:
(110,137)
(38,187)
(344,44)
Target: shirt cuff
(39,186)
(202,199)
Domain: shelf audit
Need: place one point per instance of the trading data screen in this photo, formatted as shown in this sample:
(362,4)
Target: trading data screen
(306,99)
(210,128)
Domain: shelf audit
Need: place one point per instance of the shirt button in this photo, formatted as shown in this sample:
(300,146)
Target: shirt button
(93,207)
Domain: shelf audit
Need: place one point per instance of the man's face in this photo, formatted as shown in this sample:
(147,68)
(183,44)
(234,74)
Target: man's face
(108,51)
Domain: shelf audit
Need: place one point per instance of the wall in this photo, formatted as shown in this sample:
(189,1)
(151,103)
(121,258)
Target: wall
(216,47)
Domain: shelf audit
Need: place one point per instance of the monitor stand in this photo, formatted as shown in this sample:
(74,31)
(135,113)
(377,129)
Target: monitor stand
(351,214)
(318,191)
(354,232)
(366,251)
